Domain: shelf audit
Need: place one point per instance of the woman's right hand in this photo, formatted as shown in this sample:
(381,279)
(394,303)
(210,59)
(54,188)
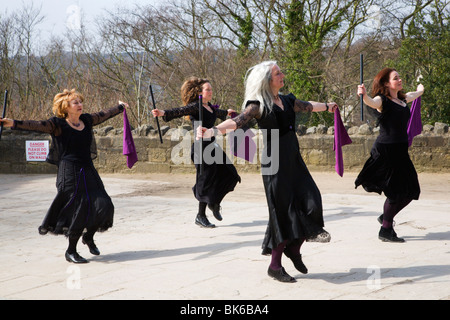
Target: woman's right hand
(157,113)
(7,123)
(362,90)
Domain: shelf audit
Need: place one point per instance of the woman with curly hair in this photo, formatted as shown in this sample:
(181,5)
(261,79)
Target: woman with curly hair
(218,178)
(389,168)
(81,203)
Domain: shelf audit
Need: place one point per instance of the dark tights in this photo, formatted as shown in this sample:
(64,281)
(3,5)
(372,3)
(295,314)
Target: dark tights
(277,253)
(202,208)
(391,210)
(73,240)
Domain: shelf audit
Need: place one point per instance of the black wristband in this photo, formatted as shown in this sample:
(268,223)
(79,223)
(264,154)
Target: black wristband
(326,105)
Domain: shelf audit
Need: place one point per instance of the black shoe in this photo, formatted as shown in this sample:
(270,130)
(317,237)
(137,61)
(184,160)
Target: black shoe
(202,221)
(280,275)
(297,260)
(75,258)
(215,208)
(389,235)
(91,245)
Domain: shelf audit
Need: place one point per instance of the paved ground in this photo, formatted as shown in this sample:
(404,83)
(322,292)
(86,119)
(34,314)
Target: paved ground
(154,251)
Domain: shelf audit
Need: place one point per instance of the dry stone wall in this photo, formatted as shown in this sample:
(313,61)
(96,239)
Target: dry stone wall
(429,152)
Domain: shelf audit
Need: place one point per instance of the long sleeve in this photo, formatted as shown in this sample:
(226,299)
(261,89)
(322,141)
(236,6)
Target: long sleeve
(250,112)
(45,126)
(222,114)
(189,110)
(102,116)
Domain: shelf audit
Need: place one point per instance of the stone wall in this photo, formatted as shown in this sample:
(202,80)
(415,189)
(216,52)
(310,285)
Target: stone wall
(430,151)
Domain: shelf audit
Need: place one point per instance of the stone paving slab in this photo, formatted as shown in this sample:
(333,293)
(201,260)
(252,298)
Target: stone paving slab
(156,252)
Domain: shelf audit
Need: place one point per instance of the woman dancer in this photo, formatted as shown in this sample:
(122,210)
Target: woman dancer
(218,178)
(389,168)
(294,201)
(81,202)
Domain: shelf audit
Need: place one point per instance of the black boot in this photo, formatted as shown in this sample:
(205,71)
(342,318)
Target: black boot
(215,208)
(389,235)
(203,221)
(297,260)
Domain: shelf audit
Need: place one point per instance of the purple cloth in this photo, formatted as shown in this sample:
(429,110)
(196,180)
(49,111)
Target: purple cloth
(415,121)
(245,146)
(129,149)
(341,138)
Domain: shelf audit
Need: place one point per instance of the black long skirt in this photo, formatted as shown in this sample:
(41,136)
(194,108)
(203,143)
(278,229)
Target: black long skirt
(219,175)
(293,199)
(390,170)
(80,204)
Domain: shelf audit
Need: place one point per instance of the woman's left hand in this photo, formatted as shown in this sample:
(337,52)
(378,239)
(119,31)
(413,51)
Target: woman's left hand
(124,104)
(332,106)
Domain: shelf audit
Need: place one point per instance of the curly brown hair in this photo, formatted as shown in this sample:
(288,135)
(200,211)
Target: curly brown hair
(61,102)
(378,85)
(191,89)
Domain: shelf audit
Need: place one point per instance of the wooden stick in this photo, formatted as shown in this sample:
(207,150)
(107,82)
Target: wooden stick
(200,118)
(4,112)
(361,76)
(157,120)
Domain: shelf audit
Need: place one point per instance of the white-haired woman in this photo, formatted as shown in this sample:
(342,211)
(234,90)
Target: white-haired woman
(294,201)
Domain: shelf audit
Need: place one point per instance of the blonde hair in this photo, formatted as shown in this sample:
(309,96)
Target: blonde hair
(61,102)
(257,85)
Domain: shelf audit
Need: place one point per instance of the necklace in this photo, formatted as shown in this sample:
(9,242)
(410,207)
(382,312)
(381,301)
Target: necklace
(75,125)
(276,97)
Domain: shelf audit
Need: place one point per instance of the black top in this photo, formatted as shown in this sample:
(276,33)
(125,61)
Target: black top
(67,142)
(393,122)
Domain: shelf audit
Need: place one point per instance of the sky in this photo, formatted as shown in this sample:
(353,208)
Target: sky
(63,15)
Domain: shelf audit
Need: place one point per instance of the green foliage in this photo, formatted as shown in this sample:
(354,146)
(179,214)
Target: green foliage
(307,27)
(426,51)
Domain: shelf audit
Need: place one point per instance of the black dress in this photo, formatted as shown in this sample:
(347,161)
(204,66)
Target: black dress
(293,199)
(219,174)
(389,168)
(81,202)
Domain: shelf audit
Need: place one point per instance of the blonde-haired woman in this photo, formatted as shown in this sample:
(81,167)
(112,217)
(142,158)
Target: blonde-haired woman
(218,179)
(293,199)
(81,203)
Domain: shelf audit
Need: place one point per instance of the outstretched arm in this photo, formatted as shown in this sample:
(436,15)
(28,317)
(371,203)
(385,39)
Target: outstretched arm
(375,103)
(189,110)
(411,96)
(250,112)
(102,116)
(313,106)
(46,126)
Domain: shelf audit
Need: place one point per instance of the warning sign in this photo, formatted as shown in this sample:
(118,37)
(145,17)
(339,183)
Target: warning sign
(36,150)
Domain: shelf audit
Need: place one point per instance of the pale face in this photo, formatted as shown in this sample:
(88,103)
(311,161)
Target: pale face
(207,92)
(75,107)
(277,81)
(395,83)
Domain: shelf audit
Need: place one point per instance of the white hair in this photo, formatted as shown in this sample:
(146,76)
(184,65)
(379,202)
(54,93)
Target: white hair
(257,85)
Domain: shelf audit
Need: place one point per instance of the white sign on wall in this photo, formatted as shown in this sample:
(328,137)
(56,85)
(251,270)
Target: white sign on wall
(36,150)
